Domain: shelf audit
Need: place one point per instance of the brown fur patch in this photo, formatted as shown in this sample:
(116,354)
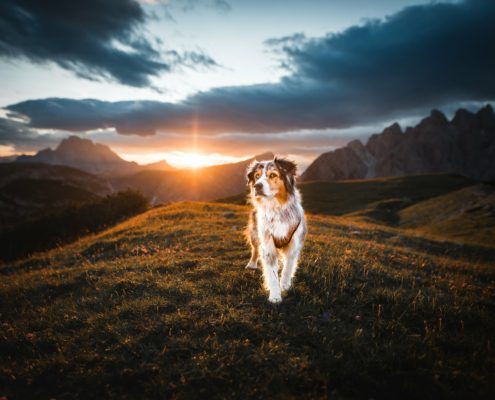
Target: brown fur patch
(276,182)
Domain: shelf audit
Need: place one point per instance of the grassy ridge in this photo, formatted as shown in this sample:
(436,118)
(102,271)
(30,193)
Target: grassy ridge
(161,307)
(467,215)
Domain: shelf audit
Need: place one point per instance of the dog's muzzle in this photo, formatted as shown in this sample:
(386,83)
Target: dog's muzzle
(258,189)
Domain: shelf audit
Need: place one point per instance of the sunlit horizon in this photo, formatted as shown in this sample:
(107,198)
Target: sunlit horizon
(183,159)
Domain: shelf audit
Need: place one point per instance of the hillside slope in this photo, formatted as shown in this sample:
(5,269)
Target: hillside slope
(30,190)
(161,307)
(344,197)
(468,213)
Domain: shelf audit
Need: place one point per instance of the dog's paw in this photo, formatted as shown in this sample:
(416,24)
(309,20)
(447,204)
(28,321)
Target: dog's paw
(275,299)
(252,265)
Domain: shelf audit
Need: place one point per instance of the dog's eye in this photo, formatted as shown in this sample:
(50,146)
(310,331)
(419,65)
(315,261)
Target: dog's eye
(257,175)
(272,175)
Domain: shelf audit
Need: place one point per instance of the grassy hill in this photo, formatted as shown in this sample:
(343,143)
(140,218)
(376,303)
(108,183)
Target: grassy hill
(160,306)
(465,215)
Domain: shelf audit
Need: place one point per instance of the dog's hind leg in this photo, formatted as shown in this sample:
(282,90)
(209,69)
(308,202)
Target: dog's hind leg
(253,262)
(253,240)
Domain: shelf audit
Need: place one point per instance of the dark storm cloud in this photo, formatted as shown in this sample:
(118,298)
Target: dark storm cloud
(23,138)
(422,57)
(95,39)
(128,117)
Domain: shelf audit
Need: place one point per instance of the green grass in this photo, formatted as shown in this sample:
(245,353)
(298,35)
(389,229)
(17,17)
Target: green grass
(161,307)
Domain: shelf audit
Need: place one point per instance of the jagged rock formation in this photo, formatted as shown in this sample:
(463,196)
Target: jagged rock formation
(464,145)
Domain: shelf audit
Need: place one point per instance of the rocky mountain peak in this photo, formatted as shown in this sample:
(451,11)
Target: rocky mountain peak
(380,142)
(438,117)
(486,117)
(392,130)
(88,156)
(77,146)
(465,146)
(463,118)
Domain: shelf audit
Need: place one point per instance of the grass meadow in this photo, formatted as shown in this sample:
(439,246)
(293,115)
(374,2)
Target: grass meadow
(160,306)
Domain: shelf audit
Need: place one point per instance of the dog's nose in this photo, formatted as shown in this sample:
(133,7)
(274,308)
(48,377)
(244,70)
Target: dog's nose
(258,187)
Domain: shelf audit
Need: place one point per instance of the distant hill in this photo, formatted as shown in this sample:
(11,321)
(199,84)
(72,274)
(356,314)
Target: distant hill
(466,215)
(30,190)
(7,159)
(91,157)
(194,184)
(465,145)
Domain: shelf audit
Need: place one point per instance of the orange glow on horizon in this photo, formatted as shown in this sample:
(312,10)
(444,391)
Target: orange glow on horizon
(183,159)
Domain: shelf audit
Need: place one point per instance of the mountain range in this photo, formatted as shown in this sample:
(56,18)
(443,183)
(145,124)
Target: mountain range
(465,145)
(91,157)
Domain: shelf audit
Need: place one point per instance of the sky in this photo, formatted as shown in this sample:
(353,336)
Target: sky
(223,80)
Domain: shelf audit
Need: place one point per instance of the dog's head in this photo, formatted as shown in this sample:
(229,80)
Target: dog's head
(269,179)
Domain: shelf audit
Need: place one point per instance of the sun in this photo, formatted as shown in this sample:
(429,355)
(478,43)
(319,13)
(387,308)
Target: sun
(183,159)
(188,159)
(195,159)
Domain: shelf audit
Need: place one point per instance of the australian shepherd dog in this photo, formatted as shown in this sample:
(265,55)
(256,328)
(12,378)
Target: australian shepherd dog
(276,227)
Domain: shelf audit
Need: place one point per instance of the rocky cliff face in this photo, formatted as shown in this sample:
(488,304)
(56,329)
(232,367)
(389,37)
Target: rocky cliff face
(464,145)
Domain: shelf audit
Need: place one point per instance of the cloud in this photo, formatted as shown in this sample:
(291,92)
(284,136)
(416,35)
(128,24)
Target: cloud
(95,39)
(419,58)
(22,138)
(189,5)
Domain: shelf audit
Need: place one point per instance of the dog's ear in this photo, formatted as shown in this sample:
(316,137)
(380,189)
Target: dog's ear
(251,169)
(286,166)
(288,170)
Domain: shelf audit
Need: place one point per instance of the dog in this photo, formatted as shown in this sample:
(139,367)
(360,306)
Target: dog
(277,227)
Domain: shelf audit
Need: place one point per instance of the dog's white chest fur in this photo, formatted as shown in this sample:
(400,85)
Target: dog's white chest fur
(279,221)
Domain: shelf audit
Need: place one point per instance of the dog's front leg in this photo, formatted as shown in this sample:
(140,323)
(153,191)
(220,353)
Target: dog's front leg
(290,264)
(291,257)
(269,259)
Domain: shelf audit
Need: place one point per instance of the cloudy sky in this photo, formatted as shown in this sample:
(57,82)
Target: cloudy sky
(227,79)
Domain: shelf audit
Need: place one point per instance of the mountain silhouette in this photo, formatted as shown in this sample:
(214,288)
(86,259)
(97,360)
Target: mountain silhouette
(465,145)
(88,156)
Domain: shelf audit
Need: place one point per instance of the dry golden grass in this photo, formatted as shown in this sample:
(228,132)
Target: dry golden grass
(161,307)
